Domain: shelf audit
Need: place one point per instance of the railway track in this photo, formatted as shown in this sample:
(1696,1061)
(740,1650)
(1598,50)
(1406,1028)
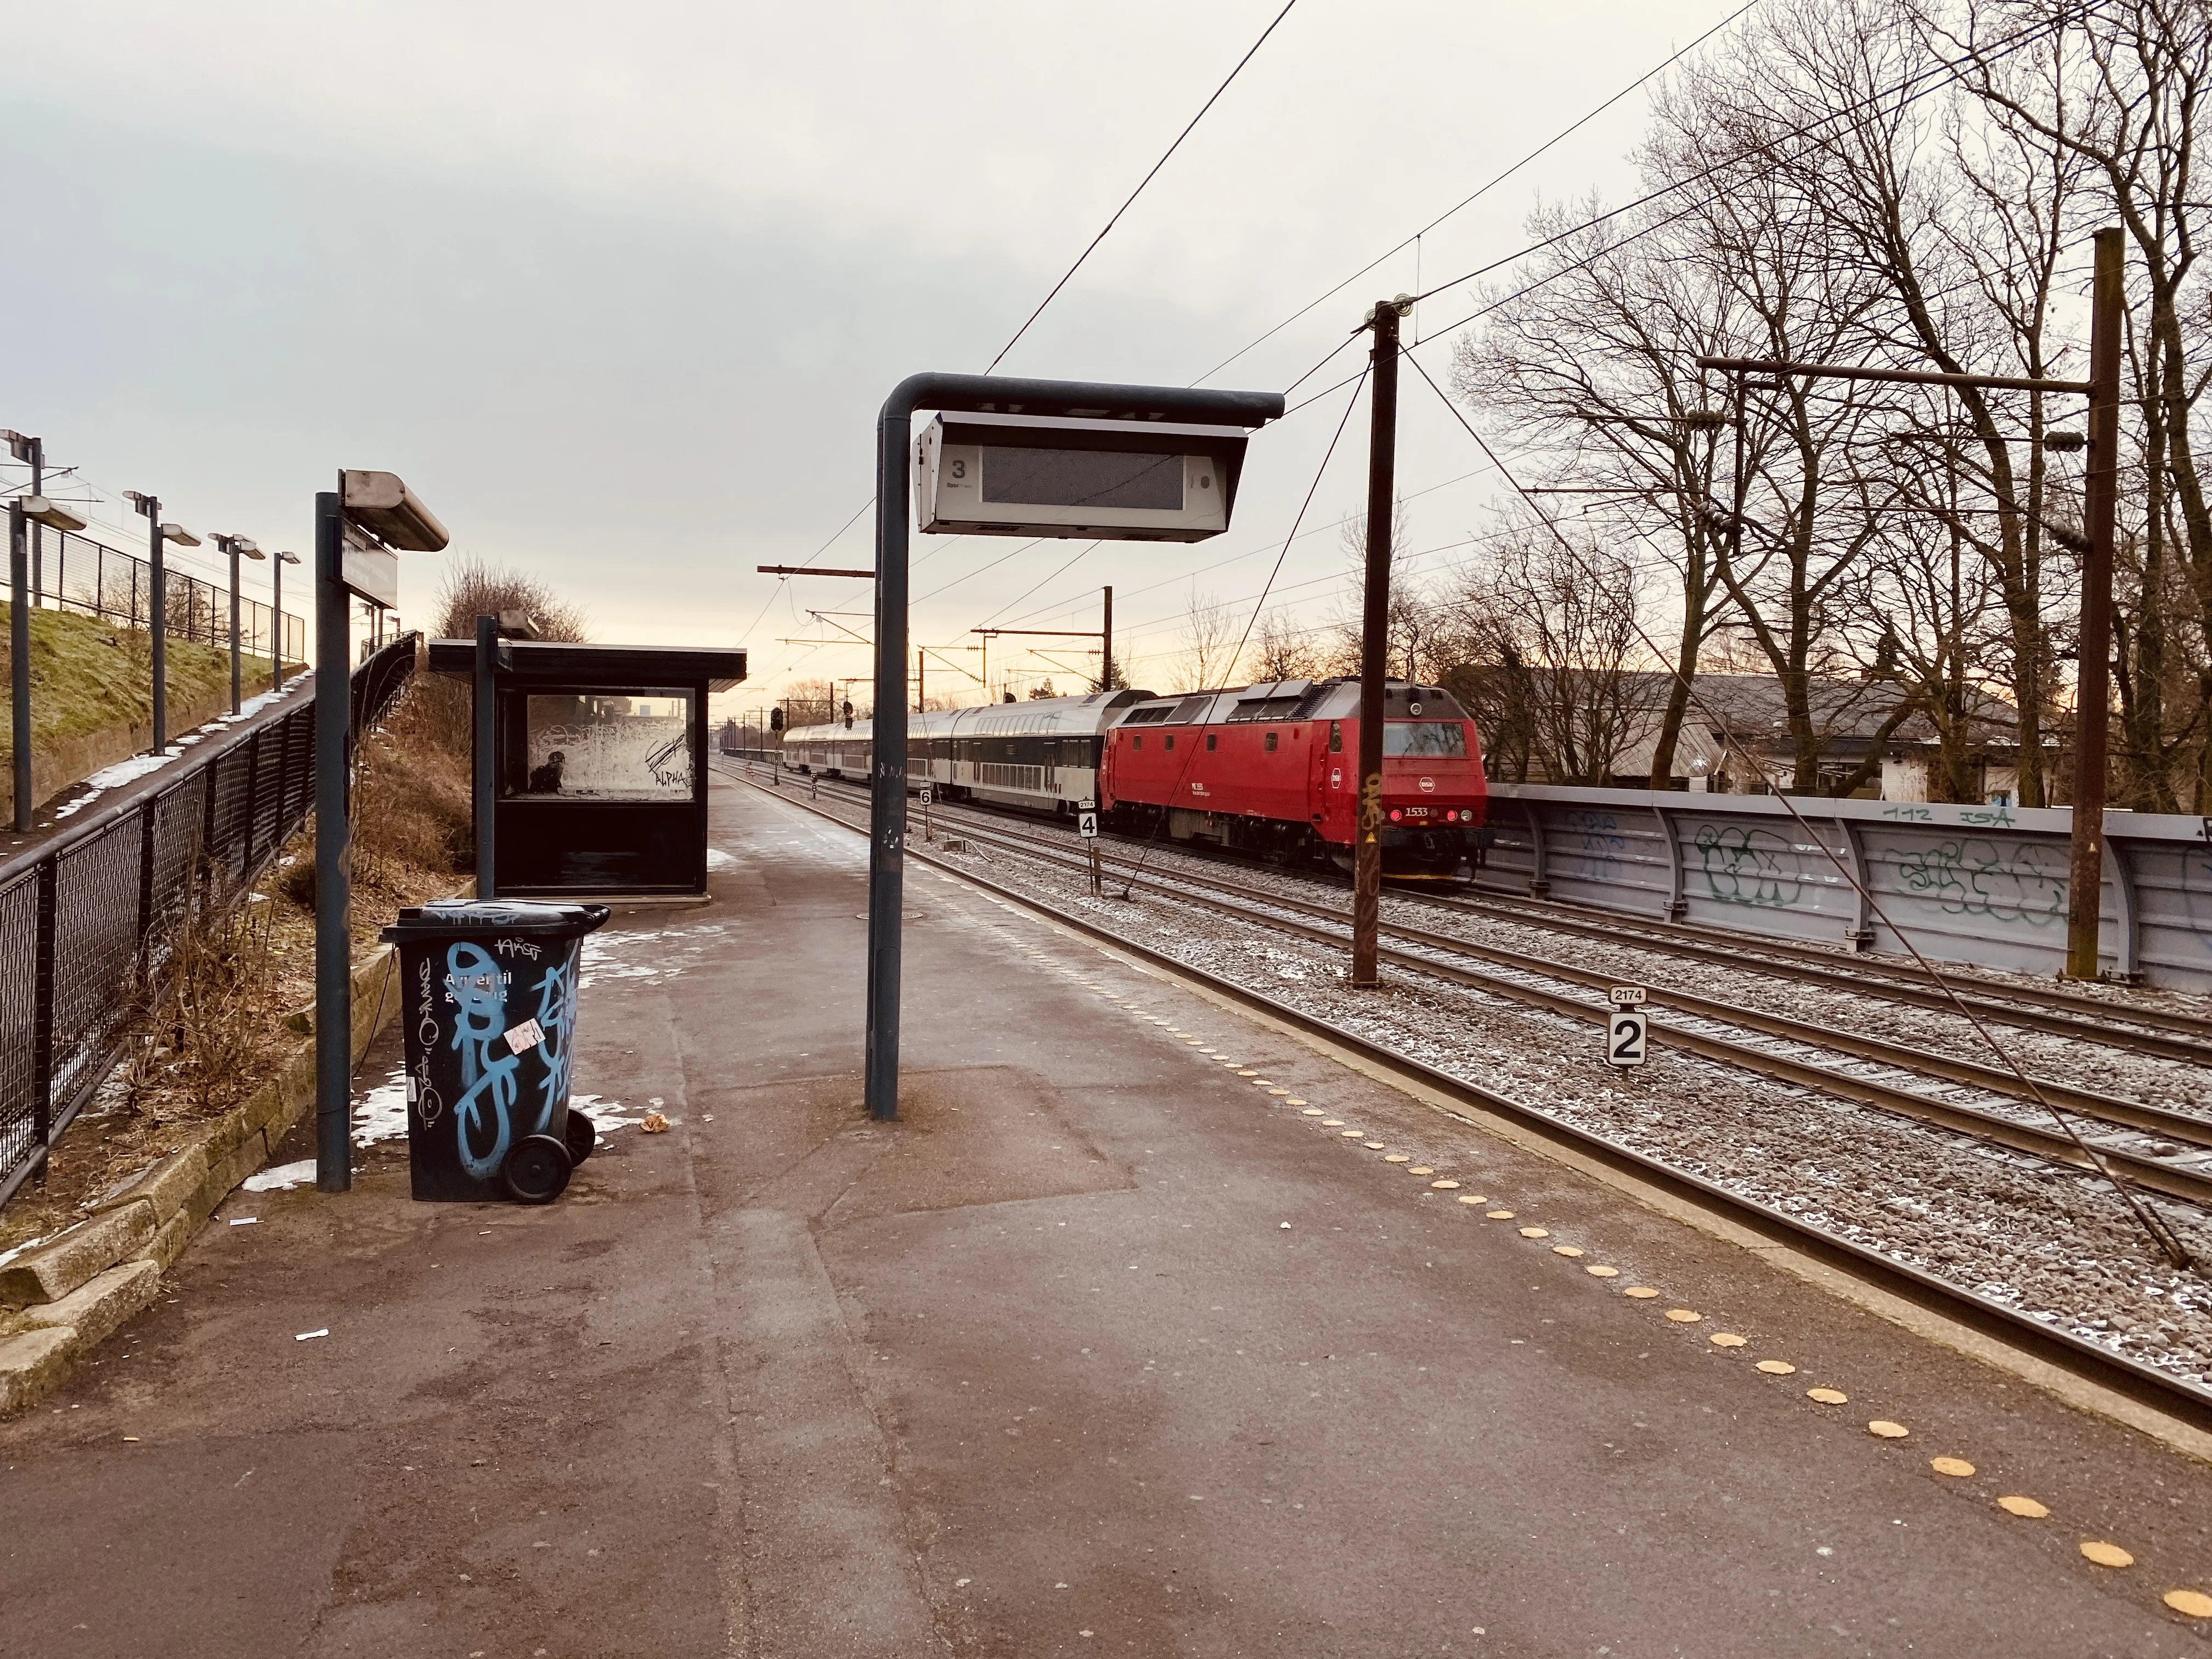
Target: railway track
(2049,1343)
(2154,1033)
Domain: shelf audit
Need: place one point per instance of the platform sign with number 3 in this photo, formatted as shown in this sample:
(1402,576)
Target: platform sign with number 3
(1627,1037)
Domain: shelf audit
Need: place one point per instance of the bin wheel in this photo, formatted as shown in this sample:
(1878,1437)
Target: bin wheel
(536,1170)
(581,1136)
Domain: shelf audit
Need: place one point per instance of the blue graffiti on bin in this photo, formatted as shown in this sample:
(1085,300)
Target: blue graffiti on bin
(557,1013)
(477,985)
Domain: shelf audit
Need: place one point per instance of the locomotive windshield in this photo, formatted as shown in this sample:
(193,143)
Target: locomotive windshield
(1425,737)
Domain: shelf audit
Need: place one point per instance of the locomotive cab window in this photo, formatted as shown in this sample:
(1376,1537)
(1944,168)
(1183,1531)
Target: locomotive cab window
(1211,740)
(1425,737)
(1137,741)
(1171,743)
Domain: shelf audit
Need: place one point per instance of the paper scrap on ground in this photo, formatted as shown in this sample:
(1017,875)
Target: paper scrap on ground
(309,1336)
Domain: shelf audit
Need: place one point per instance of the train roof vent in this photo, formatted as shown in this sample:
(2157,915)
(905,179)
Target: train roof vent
(1154,715)
(1191,708)
(1266,708)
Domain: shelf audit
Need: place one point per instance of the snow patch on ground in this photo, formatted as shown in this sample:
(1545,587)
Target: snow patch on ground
(282,1178)
(663,953)
(718,860)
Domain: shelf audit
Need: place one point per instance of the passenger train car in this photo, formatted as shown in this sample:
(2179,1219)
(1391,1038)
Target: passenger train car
(1041,755)
(1268,768)
(1274,768)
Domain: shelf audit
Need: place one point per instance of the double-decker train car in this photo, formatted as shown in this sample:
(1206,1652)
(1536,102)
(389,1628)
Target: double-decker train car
(1272,769)
(1041,755)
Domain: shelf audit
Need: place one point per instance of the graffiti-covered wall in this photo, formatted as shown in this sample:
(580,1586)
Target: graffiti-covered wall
(1982,885)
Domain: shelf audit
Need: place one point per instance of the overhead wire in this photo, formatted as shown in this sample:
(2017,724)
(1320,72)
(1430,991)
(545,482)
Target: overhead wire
(1165,154)
(1555,140)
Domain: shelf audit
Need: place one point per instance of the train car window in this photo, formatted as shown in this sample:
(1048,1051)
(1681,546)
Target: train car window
(1336,737)
(1269,744)
(1170,740)
(1136,740)
(1210,741)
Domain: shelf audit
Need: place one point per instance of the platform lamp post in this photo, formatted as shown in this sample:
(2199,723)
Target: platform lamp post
(277,620)
(158,537)
(360,528)
(233,546)
(24,511)
(1101,429)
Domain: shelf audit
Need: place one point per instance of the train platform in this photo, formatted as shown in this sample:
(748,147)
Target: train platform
(1148,1330)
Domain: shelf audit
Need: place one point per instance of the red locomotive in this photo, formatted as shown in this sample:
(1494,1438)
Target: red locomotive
(1271,769)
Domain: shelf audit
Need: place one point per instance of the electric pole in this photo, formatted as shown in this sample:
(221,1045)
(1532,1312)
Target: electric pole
(1106,644)
(1375,635)
(2085,891)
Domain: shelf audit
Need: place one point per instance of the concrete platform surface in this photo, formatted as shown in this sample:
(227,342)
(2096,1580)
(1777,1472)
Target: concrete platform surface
(1108,1346)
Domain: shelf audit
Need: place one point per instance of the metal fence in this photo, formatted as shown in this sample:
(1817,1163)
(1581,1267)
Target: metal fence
(74,572)
(1982,885)
(87,918)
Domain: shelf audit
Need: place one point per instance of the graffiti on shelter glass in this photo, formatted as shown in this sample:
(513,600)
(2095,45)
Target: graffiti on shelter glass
(1744,864)
(2022,885)
(627,756)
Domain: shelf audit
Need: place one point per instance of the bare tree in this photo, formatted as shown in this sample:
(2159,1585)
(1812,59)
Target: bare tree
(1209,641)
(1284,651)
(1553,637)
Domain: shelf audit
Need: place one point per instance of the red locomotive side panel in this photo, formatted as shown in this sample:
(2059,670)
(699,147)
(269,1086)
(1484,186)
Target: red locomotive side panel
(1274,768)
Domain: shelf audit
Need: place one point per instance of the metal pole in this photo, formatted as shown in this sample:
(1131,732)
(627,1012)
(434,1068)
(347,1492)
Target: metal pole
(483,793)
(277,623)
(921,674)
(333,926)
(2085,893)
(230,543)
(1374,644)
(887,791)
(19,658)
(38,448)
(157,621)
(1106,646)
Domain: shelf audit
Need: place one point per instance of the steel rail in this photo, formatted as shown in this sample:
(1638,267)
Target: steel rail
(2049,1344)
(2165,1034)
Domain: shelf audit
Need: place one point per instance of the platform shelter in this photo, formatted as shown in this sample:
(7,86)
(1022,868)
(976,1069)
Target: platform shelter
(600,764)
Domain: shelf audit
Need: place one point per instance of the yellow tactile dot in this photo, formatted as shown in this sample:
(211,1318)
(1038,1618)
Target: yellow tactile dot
(1828,1396)
(1777,1368)
(1566,1249)
(1311,1111)
(1206,1051)
(1331,1123)
(2105,1554)
(1446,1186)
(1725,1339)
(1423,1168)
(1602,1273)
(1535,1232)
(1295,1100)
(1883,1428)
(1957,1467)
(1279,1092)
(1684,1315)
(2026,1508)
(2190,1604)
(1500,1215)
(1396,1157)
(1193,1041)
(1263,1082)
(1374,1145)
(1472,1198)
(1351,1135)
(1246,1071)
(1641,1293)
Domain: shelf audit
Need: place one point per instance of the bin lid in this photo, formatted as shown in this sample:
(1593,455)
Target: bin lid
(466,918)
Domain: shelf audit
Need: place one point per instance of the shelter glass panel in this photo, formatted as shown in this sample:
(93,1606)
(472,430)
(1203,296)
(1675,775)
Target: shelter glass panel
(589,745)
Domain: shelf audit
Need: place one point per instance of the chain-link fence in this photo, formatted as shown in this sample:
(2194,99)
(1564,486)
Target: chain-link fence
(87,918)
(74,572)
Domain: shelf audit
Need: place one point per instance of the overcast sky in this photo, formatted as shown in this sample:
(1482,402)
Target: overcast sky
(618,289)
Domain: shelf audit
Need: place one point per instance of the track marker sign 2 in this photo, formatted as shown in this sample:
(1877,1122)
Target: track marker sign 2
(1627,1037)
